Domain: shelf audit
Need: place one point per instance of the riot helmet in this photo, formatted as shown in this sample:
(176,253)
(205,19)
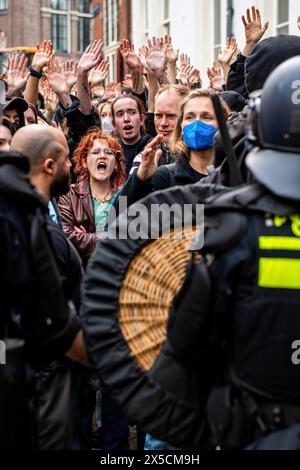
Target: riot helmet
(275,125)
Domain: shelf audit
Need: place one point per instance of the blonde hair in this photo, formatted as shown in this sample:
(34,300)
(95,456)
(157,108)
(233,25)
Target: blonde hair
(177,145)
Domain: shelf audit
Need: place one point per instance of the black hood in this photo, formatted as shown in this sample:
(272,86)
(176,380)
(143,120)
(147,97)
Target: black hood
(14,182)
(266,56)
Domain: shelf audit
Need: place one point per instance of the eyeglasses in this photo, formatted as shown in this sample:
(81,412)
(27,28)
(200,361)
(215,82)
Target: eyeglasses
(109,153)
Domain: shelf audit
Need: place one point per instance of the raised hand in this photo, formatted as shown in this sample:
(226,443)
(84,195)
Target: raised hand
(17,74)
(215,78)
(130,58)
(69,70)
(171,53)
(44,53)
(127,82)
(155,57)
(194,77)
(185,73)
(50,99)
(254,30)
(184,60)
(298,22)
(56,79)
(225,55)
(91,57)
(99,74)
(150,159)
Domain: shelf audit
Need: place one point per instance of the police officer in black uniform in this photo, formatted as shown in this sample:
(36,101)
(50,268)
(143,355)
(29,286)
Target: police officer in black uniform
(249,326)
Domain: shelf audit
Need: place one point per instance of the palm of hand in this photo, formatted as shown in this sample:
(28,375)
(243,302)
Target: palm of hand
(156,61)
(225,55)
(132,60)
(96,77)
(88,61)
(71,79)
(40,60)
(254,31)
(16,80)
(58,83)
(171,54)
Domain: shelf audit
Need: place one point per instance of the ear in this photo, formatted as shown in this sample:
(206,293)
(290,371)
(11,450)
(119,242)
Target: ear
(49,166)
(142,119)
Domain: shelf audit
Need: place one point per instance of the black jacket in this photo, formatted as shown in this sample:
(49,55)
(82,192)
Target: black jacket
(32,304)
(179,173)
(131,151)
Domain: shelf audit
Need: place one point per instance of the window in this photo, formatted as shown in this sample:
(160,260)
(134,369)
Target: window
(166,21)
(217,27)
(3,5)
(59,25)
(146,18)
(85,15)
(111,21)
(62,19)
(282,17)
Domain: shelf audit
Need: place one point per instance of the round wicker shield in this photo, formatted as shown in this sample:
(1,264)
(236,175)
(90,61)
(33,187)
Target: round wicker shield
(128,289)
(152,281)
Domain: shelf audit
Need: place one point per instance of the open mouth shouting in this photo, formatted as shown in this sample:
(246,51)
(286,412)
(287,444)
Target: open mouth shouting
(102,167)
(128,129)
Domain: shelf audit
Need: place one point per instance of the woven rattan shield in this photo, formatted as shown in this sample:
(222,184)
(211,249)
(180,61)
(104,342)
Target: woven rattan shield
(153,279)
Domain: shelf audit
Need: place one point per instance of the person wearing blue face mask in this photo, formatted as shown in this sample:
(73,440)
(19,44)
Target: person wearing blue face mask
(192,143)
(194,134)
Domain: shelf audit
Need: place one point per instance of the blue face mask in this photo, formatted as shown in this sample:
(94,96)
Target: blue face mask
(198,135)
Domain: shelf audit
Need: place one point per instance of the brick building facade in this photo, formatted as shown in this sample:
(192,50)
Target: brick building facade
(68,23)
(113,23)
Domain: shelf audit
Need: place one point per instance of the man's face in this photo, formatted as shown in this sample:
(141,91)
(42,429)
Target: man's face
(128,121)
(166,114)
(12,115)
(62,178)
(5,139)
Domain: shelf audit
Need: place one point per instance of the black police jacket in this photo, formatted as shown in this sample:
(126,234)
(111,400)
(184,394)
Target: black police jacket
(32,304)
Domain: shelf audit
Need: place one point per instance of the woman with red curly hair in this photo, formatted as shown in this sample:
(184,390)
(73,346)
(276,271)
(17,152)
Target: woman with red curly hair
(99,164)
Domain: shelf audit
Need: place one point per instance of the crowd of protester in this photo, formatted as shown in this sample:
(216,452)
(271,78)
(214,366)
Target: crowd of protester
(155,130)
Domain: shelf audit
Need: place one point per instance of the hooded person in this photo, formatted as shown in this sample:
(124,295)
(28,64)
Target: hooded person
(249,74)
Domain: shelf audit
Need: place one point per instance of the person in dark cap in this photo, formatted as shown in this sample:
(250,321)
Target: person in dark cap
(14,110)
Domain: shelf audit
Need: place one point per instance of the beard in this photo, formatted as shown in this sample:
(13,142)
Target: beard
(60,185)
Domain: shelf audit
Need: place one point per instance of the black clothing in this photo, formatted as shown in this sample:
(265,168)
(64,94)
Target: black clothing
(23,213)
(78,123)
(249,74)
(179,173)
(266,56)
(131,151)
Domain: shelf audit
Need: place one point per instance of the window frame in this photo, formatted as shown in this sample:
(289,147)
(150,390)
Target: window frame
(217,46)
(111,24)
(5,7)
(285,24)
(166,18)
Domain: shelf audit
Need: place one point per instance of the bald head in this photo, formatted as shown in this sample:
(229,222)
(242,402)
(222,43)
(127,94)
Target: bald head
(38,142)
(166,112)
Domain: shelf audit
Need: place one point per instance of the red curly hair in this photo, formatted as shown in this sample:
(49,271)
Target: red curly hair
(118,176)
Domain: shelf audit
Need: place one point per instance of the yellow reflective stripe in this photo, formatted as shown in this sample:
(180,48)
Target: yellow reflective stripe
(279,273)
(279,243)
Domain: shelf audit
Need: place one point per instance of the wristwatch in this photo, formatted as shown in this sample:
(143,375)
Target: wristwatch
(35,73)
